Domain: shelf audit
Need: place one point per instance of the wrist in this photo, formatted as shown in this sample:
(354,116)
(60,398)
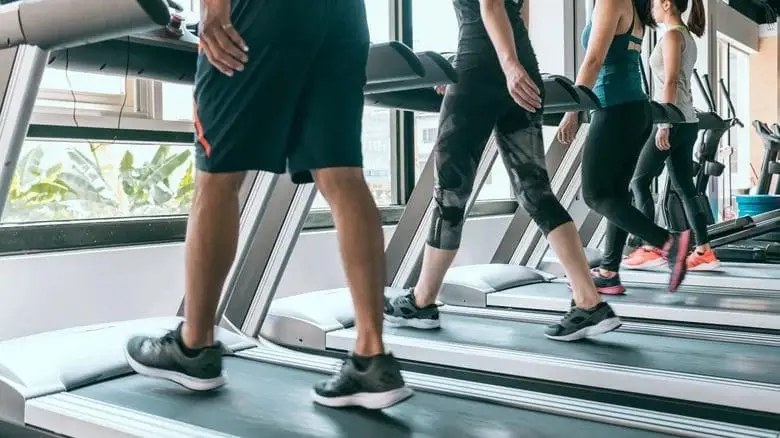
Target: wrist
(664,125)
(509,63)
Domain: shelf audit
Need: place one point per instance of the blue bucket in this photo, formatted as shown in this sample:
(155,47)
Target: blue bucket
(751,205)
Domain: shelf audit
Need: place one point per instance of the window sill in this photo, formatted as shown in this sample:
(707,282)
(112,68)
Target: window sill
(45,237)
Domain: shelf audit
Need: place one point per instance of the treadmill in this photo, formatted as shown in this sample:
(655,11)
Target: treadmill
(646,360)
(76,382)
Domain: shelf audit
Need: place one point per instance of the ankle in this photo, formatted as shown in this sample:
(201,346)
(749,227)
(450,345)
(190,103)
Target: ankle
(369,345)
(422,298)
(702,249)
(586,302)
(607,273)
(194,339)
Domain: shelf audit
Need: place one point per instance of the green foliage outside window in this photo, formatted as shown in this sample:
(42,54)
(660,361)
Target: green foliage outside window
(91,187)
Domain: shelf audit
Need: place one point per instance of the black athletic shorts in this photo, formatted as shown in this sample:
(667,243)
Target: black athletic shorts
(298,104)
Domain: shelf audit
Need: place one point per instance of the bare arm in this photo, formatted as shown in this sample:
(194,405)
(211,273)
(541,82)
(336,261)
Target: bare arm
(519,84)
(499,29)
(672,51)
(606,15)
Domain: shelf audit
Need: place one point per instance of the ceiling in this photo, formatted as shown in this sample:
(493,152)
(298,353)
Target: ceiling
(760,11)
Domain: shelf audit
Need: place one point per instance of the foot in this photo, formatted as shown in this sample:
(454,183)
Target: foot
(402,311)
(167,358)
(582,323)
(677,253)
(643,258)
(607,285)
(706,261)
(373,382)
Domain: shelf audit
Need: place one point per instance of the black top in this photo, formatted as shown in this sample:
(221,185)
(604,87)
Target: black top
(468,10)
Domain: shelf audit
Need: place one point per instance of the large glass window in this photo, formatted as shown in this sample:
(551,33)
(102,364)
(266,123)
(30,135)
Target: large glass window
(435,28)
(66,180)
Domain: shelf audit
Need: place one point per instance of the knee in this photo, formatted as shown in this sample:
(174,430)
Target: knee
(340,183)
(544,209)
(217,185)
(448,218)
(640,186)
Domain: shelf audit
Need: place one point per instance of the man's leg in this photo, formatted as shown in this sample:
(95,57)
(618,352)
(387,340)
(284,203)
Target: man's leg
(327,149)
(210,248)
(229,114)
(465,123)
(362,248)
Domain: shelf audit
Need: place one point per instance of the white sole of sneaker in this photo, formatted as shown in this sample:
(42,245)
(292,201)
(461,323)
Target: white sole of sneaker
(184,380)
(367,400)
(706,266)
(604,326)
(646,265)
(425,324)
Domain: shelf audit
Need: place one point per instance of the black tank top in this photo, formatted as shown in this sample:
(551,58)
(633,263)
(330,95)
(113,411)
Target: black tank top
(468,10)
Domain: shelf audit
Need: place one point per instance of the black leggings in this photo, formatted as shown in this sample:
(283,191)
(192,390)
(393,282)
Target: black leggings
(615,139)
(679,163)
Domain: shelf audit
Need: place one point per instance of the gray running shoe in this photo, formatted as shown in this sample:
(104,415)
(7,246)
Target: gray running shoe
(582,323)
(373,382)
(164,358)
(401,311)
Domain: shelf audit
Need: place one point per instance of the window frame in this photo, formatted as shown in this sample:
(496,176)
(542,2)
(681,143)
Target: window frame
(142,123)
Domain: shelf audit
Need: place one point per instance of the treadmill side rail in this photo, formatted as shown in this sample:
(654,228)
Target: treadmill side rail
(305,320)
(53,362)
(470,285)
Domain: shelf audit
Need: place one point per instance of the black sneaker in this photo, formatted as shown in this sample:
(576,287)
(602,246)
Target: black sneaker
(164,358)
(370,382)
(402,311)
(607,285)
(582,323)
(677,257)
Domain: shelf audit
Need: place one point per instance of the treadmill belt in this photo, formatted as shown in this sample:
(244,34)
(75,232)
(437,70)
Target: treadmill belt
(755,363)
(274,401)
(650,295)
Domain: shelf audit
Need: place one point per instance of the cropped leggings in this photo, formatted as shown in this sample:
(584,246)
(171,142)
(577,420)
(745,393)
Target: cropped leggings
(679,164)
(615,139)
(471,110)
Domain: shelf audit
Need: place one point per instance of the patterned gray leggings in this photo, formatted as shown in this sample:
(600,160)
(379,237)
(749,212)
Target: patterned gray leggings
(466,121)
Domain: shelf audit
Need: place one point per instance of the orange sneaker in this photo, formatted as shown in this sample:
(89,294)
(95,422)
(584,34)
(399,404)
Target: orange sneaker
(643,258)
(703,262)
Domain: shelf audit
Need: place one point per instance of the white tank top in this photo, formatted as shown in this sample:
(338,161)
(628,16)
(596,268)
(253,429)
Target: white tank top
(688,63)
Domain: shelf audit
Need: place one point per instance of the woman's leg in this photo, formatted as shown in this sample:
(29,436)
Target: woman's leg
(611,151)
(650,165)
(683,139)
(522,149)
(466,120)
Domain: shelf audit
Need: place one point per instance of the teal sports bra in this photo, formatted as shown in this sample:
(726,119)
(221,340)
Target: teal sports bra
(620,79)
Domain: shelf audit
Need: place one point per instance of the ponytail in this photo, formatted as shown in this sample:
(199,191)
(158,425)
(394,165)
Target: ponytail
(644,9)
(697,19)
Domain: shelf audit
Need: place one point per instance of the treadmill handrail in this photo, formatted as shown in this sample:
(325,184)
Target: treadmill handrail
(437,71)
(666,113)
(393,61)
(81,22)
(560,96)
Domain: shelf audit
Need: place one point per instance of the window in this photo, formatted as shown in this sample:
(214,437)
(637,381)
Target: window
(377,134)
(58,180)
(436,28)
(376,157)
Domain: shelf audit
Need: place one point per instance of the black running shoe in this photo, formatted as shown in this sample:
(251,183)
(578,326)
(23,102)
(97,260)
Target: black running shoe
(370,382)
(607,285)
(402,311)
(164,358)
(677,257)
(582,323)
